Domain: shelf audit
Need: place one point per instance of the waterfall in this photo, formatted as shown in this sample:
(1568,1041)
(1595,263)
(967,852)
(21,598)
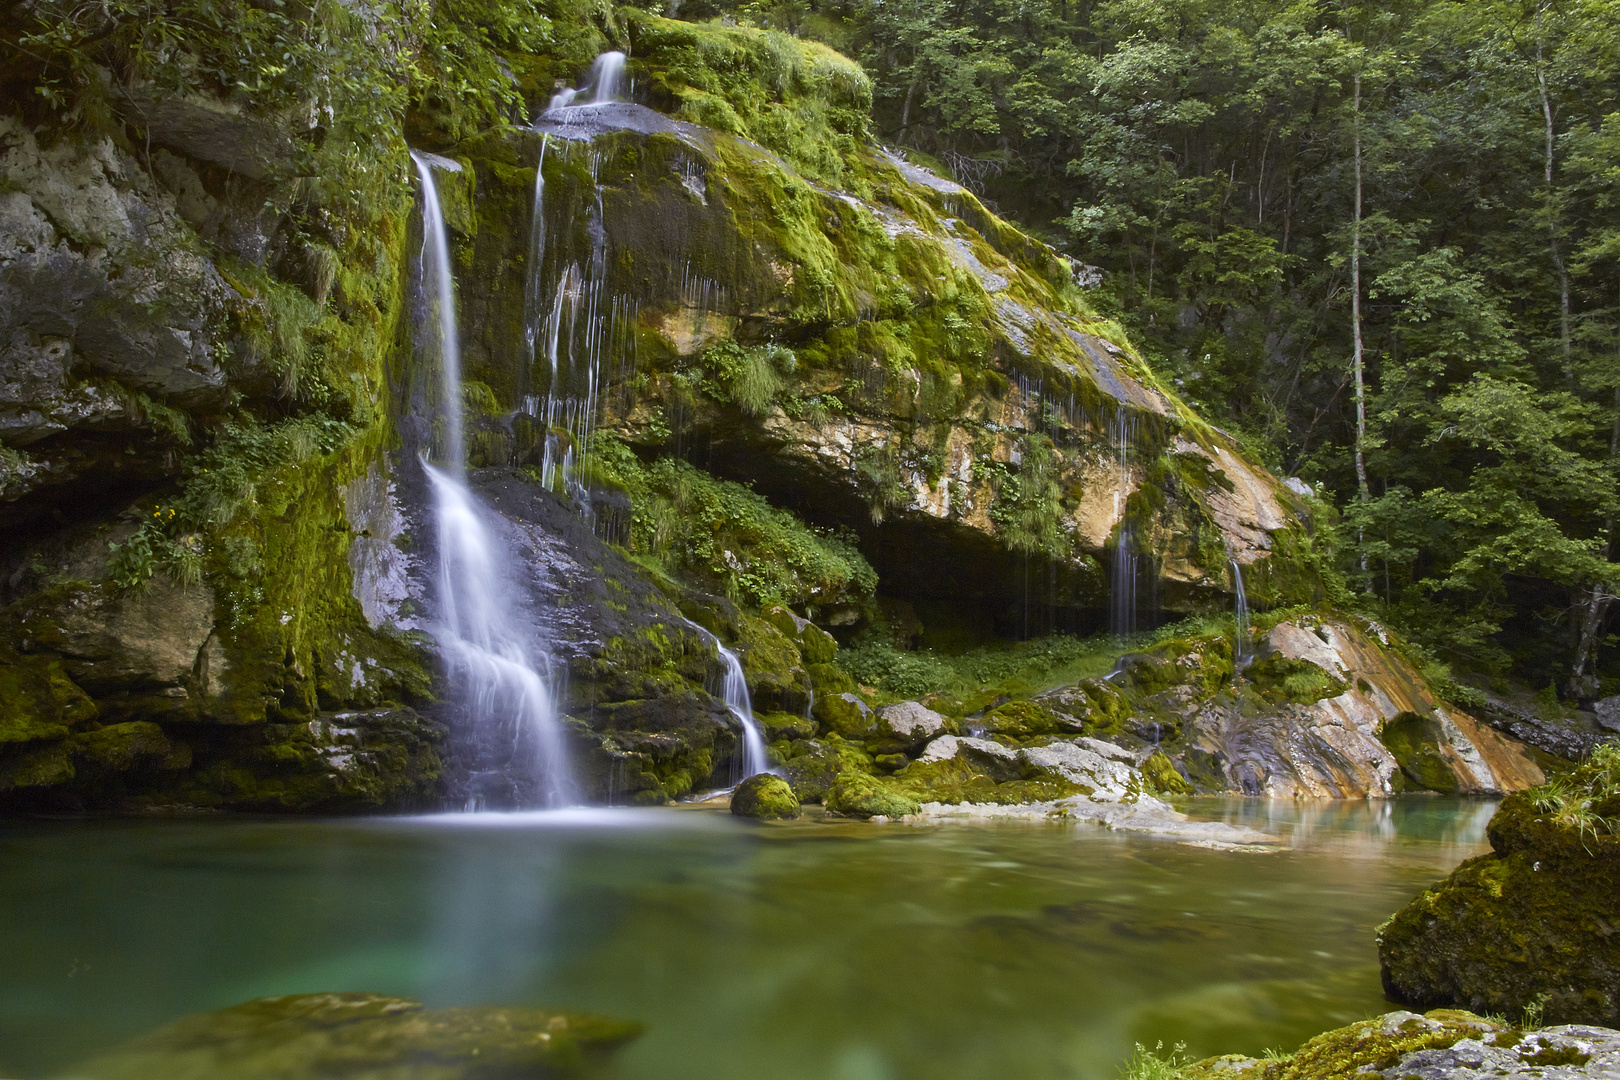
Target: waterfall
(1245,646)
(604,84)
(575,330)
(734,692)
(1122,596)
(508,720)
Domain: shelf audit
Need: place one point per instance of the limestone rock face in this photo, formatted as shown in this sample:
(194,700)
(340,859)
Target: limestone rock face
(1528,928)
(1327,708)
(104,295)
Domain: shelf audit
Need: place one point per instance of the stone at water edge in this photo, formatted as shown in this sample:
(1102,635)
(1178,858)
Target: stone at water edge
(856,794)
(767,797)
(359,1036)
(1446,1044)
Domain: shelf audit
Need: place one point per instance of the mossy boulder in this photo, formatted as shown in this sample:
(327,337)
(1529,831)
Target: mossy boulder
(767,797)
(856,794)
(1161,775)
(1417,743)
(1028,719)
(361,1036)
(812,765)
(1532,926)
(1383,1046)
(844,714)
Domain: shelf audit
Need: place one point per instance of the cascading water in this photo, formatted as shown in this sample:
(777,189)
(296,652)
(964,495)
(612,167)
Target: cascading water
(1122,596)
(576,330)
(603,85)
(508,735)
(734,692)
(1245,646)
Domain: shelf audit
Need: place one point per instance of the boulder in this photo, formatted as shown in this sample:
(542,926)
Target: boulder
(859,795)
(767,797)
(1530,927)
(905,726)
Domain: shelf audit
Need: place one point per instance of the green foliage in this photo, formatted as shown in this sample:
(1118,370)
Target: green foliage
(729,538)
(797,98)
(750,377)
(1028,512)
(1155,1064)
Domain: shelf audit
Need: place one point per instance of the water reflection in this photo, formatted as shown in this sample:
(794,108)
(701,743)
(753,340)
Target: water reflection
(809,951)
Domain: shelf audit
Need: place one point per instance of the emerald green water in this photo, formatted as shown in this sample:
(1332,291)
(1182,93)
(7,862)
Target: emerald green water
(813,950)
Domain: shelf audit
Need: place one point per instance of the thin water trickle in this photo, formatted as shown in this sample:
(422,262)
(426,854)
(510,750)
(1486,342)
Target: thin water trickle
(1122,596)
(1245,645)
(734,692)
(508,731)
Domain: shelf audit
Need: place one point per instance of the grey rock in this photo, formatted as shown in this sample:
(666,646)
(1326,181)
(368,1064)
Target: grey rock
(1608,712)
(1567,1052)
(910,722)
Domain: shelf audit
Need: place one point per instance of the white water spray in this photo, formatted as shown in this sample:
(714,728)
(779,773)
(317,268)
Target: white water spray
(510,726)
(604,84)
(734,692)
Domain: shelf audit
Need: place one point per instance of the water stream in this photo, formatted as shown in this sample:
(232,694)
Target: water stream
(734,692)
(604,84)
(1122,594)
(1244,648)
(508,738)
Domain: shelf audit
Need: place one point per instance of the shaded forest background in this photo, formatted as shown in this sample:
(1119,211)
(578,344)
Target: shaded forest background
(1202,161)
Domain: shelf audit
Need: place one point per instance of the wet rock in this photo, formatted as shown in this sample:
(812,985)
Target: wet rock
(844,714)
(1608,712)
(811,765)
(360,1036)
(765,796)
(1530,927)
(859,795)
(907,725)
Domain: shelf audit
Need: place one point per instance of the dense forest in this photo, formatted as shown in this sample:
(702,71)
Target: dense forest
(1379,242)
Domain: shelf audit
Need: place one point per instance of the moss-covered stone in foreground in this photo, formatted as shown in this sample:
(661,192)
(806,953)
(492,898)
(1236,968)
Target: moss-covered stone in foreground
(365,1037)
(1533,927)
(766,797)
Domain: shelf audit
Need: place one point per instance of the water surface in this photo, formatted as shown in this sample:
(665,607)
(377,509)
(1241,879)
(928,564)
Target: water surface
(811,951)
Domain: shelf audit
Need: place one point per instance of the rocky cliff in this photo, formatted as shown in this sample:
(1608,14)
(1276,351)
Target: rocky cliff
(727,363)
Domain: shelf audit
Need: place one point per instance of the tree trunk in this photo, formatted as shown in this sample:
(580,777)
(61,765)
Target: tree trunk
(1552,210)
(1362,491)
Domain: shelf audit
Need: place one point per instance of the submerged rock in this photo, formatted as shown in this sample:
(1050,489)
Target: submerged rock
(766,797)
(364,1037)
(1533,928)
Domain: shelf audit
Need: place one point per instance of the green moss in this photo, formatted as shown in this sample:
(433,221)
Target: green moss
(1416,742)
(1162,777)
(725,537)
(1520,929)
(798,98)
(765,797)
(1024,720)
(1280,680)
(1350,1052)
(858,794)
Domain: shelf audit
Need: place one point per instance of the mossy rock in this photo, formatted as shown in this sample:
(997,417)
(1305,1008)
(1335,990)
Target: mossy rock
(366,1037)
(1416,743)
(1026,720)
(844,714)
(1163,777)
(1282,680)
(1530,926)
(781,726)
(812,765)
(855,794)
(829,679)
(767,797)
(1362,1049)
(815,644)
